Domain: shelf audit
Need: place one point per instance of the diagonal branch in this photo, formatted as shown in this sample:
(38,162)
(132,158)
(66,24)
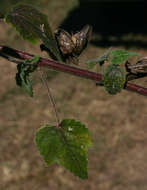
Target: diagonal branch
(65,68)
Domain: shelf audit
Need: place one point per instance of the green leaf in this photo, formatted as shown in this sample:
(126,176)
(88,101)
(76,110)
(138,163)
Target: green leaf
(114,79)
(23,75)
(5,5)
(66,145)
(119,56)
(35,59)
(33,25)
(100,60)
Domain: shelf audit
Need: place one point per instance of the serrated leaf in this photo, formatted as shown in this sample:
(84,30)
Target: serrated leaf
(66,145)
(33,25)
(119,56)
(23,76)
(100,60)
(114,79)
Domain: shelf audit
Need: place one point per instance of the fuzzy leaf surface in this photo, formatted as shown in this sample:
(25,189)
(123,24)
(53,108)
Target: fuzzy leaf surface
(66,145)
(119,56)
(114,79)
(32,25)
(100,60)
(23,75)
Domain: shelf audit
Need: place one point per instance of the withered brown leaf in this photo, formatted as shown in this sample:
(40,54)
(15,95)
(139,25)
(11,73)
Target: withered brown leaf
(71,46)
(139,67)
(81,39)
(65,42)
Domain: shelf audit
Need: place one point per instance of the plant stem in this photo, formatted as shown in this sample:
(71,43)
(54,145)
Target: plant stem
(43,78)
(66,68)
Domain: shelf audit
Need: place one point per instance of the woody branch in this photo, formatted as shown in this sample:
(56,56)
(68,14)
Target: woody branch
(13,53)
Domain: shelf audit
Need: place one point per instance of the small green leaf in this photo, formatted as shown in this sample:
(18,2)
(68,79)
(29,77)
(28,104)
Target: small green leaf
(35,59)
(114,79)
(23,75)
(66,145)
(119,56)
(100,60)
(32,25)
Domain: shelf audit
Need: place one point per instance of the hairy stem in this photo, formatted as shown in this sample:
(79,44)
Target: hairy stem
(66,68)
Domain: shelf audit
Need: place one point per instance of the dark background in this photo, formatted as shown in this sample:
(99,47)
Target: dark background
(110,19)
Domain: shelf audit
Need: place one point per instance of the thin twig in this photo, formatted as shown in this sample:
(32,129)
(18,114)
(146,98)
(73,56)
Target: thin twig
(43,78)
(66,68)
